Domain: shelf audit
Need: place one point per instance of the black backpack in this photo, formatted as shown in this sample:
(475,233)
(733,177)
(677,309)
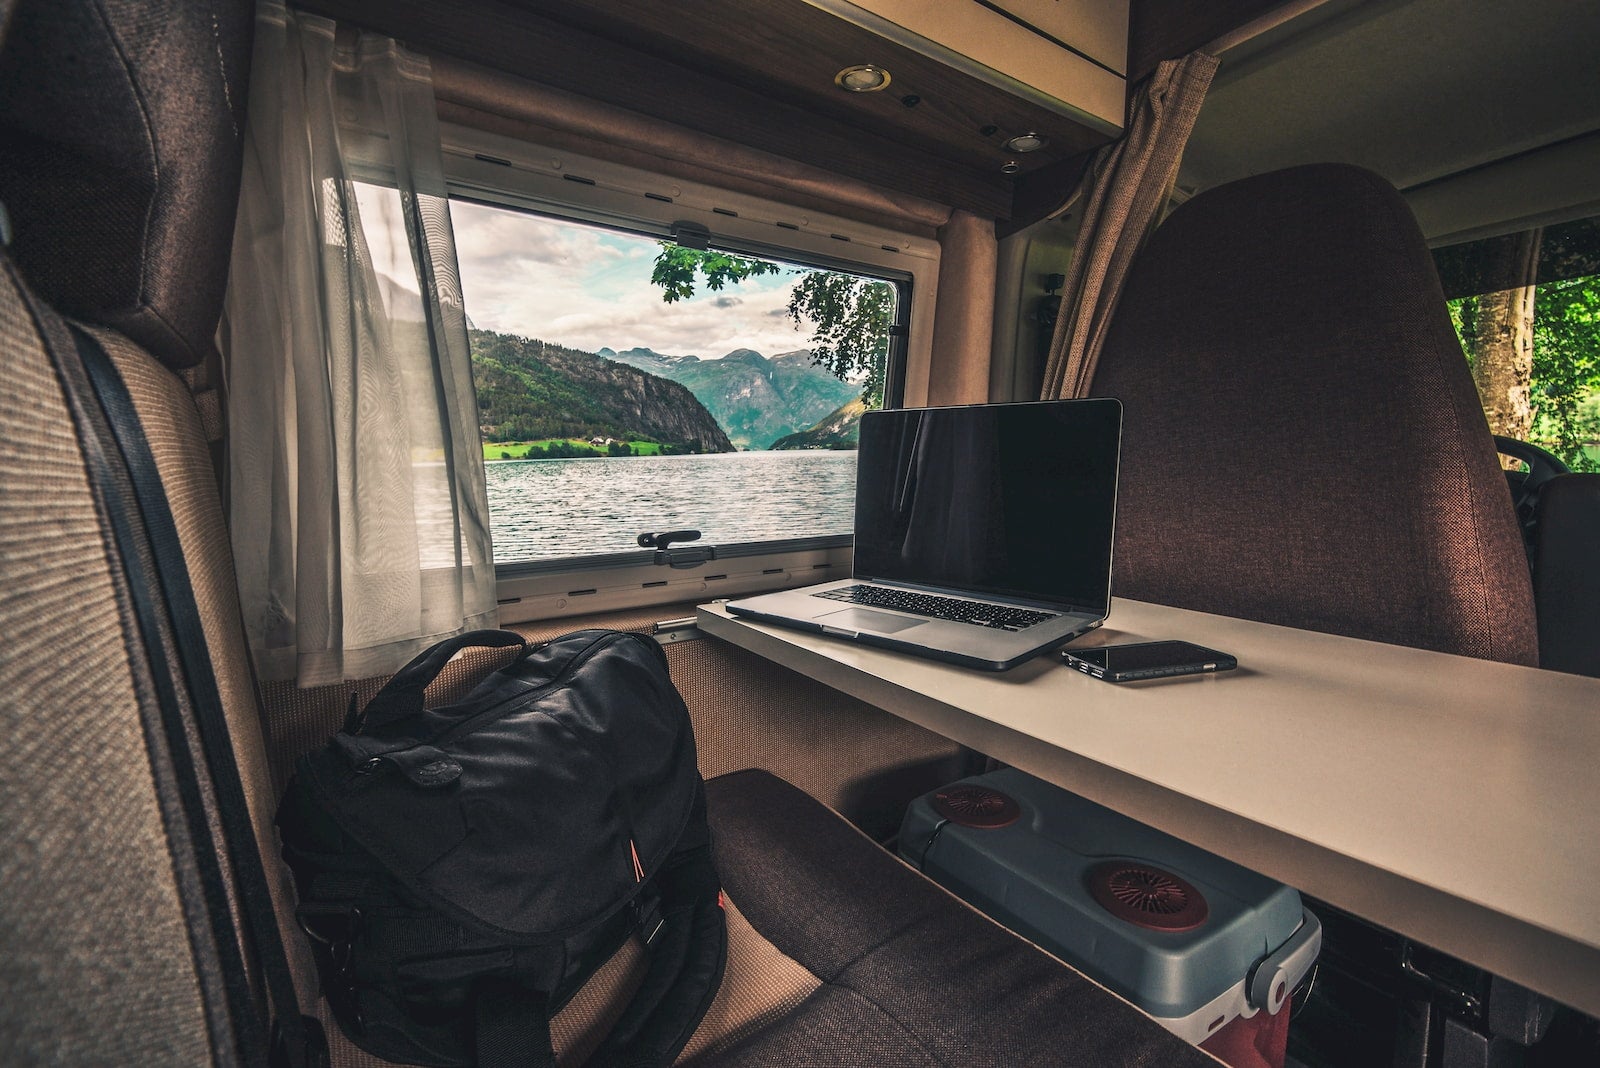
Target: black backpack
(463,870)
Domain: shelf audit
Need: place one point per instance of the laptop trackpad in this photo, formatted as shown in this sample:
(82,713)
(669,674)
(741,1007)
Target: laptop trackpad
(866,619)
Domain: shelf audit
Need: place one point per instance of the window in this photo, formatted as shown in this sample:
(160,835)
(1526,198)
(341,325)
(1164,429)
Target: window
(630,383)
(1526,307)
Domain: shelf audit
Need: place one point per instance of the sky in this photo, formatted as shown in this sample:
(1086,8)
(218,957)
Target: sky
(587,288)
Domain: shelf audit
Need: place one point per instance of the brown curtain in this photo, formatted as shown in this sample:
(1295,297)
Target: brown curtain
(1127,187)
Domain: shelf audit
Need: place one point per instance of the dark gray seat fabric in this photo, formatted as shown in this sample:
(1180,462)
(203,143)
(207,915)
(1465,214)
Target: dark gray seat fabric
(1302,442)
(1566,575)
(121,142)
(910,975)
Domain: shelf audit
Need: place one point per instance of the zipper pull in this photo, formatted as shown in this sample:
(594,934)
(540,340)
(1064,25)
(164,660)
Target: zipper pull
(355,716)
(638,869)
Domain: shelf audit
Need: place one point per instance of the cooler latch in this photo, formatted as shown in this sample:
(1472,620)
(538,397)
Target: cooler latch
(1277,973)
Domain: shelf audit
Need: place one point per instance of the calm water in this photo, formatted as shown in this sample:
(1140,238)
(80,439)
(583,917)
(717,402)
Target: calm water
(545,508)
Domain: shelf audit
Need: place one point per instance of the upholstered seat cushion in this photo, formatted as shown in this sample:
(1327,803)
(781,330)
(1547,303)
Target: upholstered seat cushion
(909,975)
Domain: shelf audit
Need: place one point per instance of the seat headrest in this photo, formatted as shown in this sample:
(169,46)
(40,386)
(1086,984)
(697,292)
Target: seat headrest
(121,135)
(1302,443)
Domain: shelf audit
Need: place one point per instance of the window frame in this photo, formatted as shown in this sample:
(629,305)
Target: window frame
(497,171)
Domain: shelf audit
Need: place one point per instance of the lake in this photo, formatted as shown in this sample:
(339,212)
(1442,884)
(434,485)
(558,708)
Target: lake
(548,508)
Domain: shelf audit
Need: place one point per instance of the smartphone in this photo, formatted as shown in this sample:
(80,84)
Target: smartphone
(1147,660)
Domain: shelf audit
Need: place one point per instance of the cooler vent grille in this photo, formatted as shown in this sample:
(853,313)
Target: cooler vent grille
(1147,896)
(971,805)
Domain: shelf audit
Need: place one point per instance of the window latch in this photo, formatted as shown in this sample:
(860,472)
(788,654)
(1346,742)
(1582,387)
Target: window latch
(691,235)
(681,558)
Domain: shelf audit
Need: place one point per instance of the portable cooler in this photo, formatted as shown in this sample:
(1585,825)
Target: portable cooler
(1210,949)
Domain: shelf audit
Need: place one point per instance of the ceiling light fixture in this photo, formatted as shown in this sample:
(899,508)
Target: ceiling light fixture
(1028,142)
(862,78)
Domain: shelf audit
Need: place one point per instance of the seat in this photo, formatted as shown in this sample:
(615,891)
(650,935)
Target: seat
(1559,532)
(906,975)
(1302,442)
(1303,445)
(1566,574)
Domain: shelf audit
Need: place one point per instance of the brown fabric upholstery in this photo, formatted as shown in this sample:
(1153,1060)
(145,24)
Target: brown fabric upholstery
(96,965)
(120,148)
(910,976)
(1567,574)
(1302,443)
(760,986)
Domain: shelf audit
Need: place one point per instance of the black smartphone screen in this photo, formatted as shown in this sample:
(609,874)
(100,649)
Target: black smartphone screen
(1148,660)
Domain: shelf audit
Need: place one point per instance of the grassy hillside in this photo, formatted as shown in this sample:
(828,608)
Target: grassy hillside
(841,429)
(530,390)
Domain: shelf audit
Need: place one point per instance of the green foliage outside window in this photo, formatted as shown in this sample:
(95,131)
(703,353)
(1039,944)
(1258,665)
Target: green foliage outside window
(1565,385)
(849,316)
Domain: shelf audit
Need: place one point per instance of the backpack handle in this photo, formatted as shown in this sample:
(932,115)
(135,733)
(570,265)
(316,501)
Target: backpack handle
(402,695)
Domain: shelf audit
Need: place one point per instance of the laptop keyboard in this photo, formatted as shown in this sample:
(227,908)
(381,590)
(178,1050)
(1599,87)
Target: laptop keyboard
(951,608)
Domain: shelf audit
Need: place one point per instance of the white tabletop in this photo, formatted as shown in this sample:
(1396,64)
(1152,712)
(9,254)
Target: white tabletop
(1450,799)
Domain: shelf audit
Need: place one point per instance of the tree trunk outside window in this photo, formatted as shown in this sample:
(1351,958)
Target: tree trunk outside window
(1499,337)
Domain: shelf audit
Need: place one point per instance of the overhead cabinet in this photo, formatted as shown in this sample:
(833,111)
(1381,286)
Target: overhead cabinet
(1070,56)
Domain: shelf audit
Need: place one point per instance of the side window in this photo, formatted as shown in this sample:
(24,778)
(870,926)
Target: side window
(1526,307)
(653,354)
(629,385)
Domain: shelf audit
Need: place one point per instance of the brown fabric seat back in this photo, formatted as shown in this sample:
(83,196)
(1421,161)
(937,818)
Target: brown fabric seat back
(1302,441)
(1566,577)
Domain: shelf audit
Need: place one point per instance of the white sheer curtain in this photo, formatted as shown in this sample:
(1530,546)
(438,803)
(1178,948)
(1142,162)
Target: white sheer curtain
(356,488)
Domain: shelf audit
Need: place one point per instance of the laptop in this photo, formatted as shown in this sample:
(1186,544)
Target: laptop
(982,533)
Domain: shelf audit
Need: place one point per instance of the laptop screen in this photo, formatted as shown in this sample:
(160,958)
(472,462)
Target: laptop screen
(1017,500)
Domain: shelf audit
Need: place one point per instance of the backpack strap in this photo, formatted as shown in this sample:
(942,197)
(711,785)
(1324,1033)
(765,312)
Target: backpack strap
(687,948)
(687,957)
(403,694)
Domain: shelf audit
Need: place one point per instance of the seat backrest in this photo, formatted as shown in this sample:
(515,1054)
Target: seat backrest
(1302,442)
(126,922)
(102,963)
(1566,574)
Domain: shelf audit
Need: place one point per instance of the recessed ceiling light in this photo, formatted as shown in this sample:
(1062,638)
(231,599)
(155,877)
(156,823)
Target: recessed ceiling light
(862,78)
(1028,142)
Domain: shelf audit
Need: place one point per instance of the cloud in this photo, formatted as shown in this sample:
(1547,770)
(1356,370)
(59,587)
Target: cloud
(586,287)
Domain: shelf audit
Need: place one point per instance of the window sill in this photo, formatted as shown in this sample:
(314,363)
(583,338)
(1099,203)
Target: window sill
(557,589)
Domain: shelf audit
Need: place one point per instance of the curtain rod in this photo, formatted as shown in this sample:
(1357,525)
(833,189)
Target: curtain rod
(1261,24)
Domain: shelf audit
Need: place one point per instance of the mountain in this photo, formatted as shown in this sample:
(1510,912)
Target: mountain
(840,430)
(530,389)
(757,400)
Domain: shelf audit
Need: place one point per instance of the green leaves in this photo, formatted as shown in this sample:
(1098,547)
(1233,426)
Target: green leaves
(676,267)
(850,319)
(849,316)
(1566,364)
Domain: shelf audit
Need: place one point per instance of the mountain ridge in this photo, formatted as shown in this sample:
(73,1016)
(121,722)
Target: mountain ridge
(840,430)
(529,390)
(756,399)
